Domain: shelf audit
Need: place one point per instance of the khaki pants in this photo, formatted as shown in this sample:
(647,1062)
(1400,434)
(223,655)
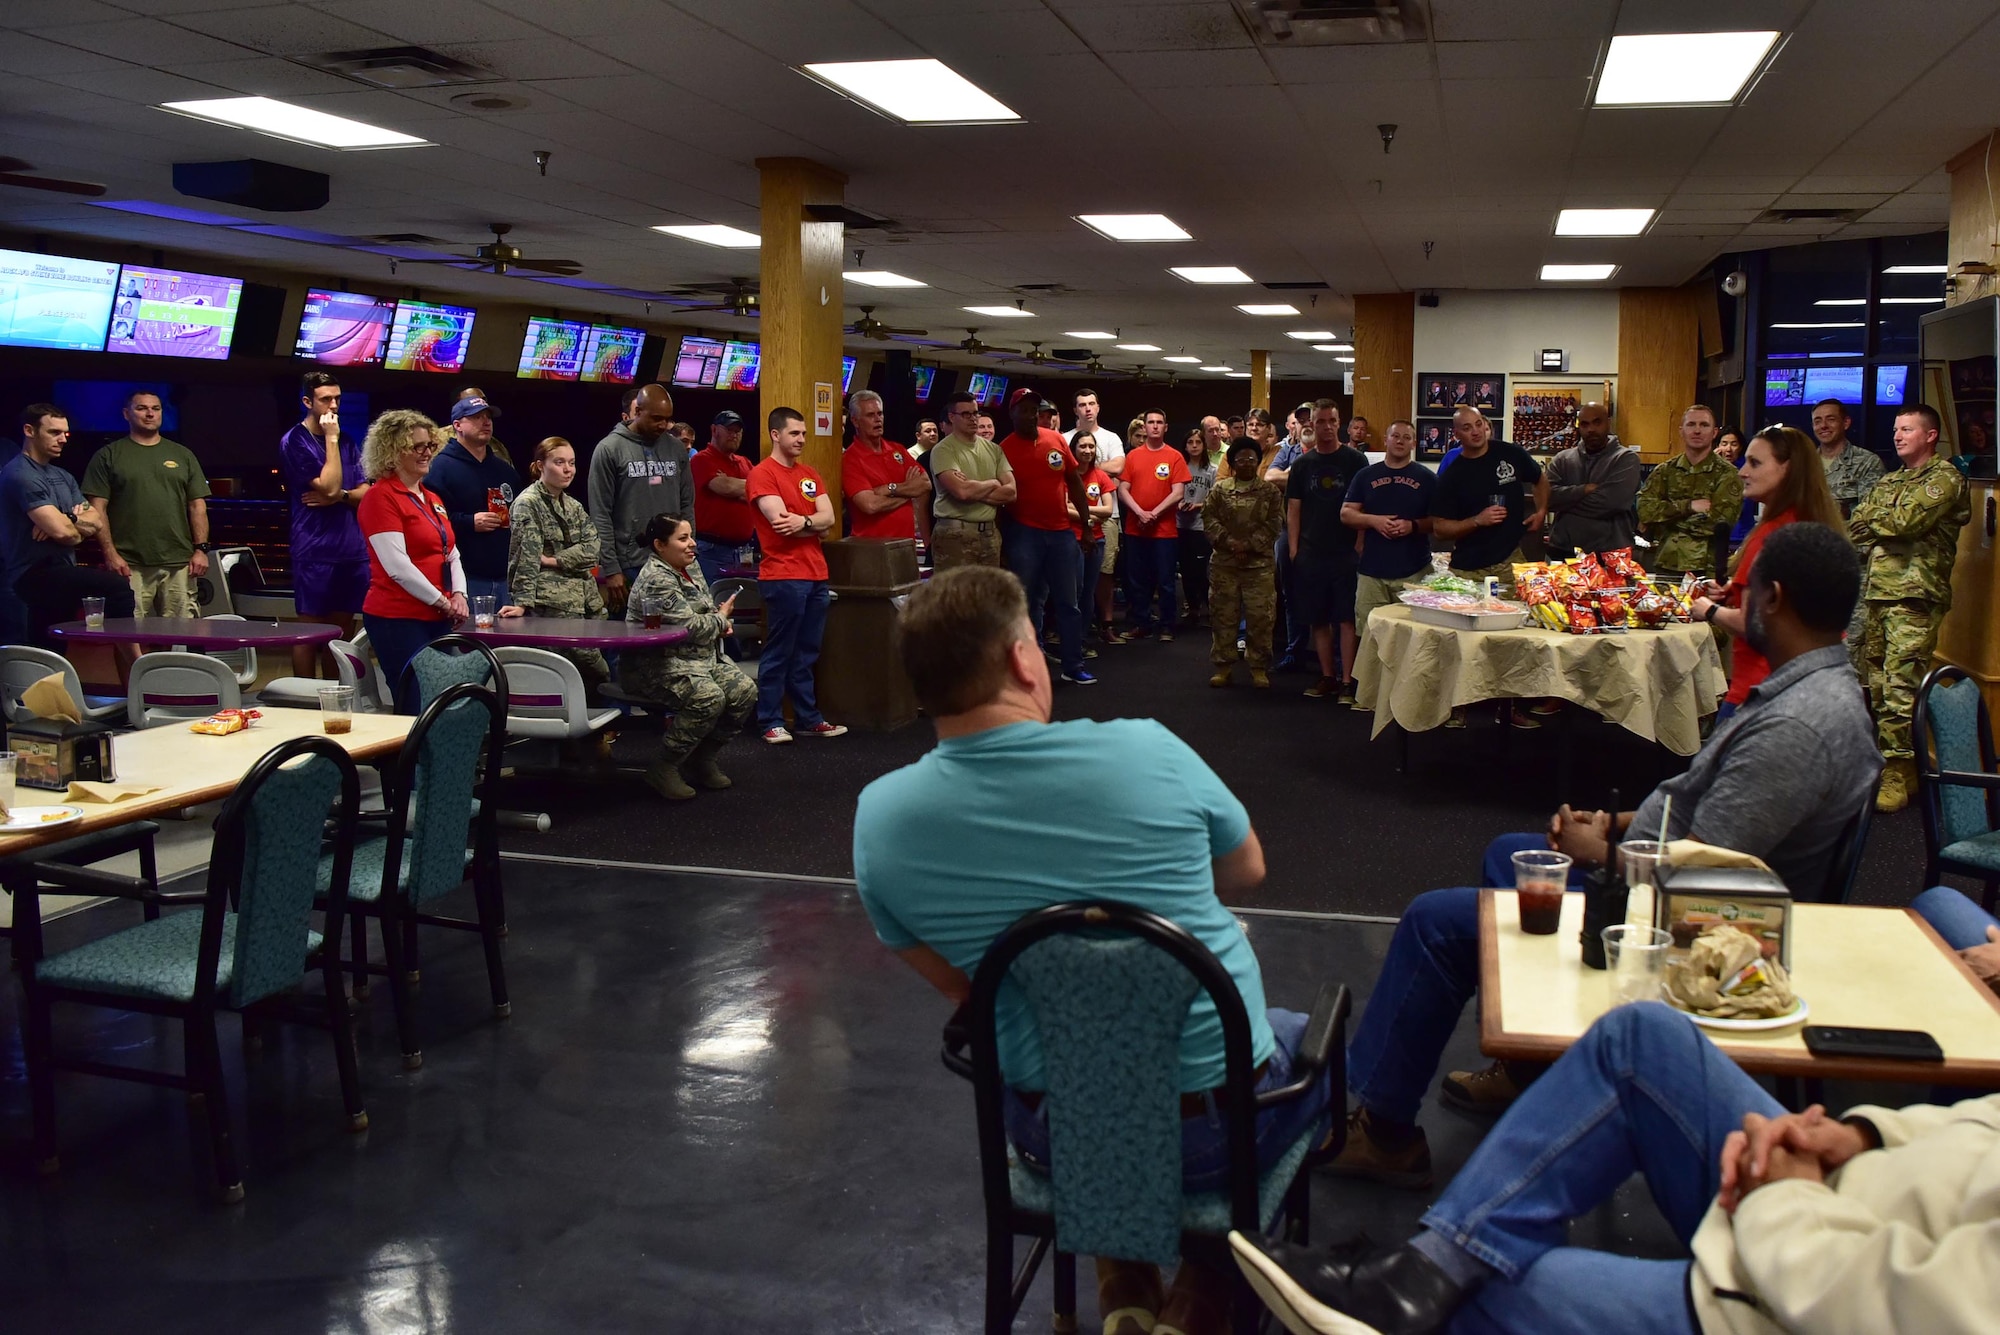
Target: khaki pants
(1371,593)
(961,542)
(1111,537)
(163,591)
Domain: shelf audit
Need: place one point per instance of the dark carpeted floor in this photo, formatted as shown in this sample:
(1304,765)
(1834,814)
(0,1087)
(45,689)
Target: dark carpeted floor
(1343,830)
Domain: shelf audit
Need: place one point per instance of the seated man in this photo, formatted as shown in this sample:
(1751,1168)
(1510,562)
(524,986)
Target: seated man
(1883,1221)
(951,851)
(1780,781)
(1970,930)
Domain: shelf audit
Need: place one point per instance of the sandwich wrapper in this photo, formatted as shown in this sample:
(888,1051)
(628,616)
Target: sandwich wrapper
(58,750)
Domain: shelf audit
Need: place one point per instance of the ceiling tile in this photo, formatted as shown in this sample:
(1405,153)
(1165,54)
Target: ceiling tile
(436,20)
(1174,73)
(141,41)
(1482,20)
(1538,58)
(285,30)
(1209,26)
(23,54)
(1404,63)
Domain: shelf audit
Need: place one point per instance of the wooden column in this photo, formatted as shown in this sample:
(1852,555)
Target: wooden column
(1973,234)
(1385,339)
(1659,356)
(1970,636)
(799,297)
(1260,379)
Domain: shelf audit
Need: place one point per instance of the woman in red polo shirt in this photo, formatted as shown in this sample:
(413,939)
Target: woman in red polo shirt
(415,583)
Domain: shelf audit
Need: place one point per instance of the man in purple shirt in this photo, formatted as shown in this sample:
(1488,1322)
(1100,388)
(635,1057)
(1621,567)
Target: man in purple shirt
(324,480)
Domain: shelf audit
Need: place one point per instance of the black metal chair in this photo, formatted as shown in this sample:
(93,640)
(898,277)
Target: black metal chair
(1957,788)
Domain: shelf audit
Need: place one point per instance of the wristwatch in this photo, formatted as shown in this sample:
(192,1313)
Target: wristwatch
(1708,617)
(204,546)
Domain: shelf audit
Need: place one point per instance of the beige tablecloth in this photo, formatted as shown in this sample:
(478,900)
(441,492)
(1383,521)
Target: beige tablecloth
(1658,683)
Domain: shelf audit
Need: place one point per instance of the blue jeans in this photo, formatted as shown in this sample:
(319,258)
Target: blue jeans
(1149,572)
(1044,560)
(1294,634)
(716,557)
(1204,1139)
(794,623)
(1957,919)
(397,640)
(496,589)
(1643,1092)
(1089,560)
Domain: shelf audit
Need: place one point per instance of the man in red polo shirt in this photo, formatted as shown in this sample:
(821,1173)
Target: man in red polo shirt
(1149,492)
(724,533)
(792,511)
(1041,547)
(888,492)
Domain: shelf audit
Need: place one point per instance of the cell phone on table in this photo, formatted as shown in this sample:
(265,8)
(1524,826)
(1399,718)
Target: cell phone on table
(1898,1045)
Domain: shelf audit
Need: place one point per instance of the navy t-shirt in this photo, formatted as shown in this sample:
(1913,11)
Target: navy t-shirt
(1469,486)
(1402,493)
(26,485)
(1319,482)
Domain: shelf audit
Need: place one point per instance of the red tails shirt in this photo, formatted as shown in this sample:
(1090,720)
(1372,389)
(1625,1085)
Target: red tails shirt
(1097,485)
(1040,468)
(863,468)
(797,557)
(721,517)
(1152,472)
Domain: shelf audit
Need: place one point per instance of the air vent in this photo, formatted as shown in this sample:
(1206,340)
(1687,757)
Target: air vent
(1311,285)
(1043,289)
(397,67)
(1334,22)
(491,100)
(1785,214)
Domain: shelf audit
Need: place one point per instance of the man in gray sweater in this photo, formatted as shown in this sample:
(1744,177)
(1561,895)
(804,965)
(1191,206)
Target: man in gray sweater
(638,471)
(1592,487)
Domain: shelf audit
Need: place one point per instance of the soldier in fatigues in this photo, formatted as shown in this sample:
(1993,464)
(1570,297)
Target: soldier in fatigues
(552,556)
(1907,530)
(1242,518)
(1688,499)
(710,696)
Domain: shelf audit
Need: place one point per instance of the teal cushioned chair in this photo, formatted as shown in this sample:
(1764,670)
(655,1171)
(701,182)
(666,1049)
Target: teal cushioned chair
(245,950)
(1109,986)
(1957,789)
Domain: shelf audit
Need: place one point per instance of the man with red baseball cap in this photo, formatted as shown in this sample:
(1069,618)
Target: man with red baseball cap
(1041,546)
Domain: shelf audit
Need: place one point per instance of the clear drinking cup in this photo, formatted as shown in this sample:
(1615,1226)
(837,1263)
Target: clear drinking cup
(93,613)
(1635,962)
(1640,860)
(7,759)
(482,611)
(336,709)
(1540,878)
(652,611)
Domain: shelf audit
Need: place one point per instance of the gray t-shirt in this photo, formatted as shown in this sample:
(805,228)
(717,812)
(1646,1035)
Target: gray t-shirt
(24,486)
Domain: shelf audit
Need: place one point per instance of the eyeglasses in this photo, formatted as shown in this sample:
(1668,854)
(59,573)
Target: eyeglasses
(427,448)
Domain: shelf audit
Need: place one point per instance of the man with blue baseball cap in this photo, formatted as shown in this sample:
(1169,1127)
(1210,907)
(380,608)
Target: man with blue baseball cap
(477,487)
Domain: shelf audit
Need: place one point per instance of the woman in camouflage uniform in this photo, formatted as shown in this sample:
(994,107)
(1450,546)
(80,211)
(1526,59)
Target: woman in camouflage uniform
(1244,515)
(710,696)
(552,559)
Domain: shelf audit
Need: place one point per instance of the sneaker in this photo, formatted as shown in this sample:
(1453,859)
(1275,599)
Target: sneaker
(1260,679)
(1489,1092)
(1365,1157)
(1546,708)
(1221,677)
(824,729)
(1136,633)
(1522,719)
(1898,778)
(777,736)
(1349,1288)
(1166,637)
(1080,678)
(1323,688)
(1089,654)
(1346,695)
(1457,719)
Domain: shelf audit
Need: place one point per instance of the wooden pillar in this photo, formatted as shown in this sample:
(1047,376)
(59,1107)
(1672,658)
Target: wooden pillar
(1385,340)
(1973,234)
(1659,356)
(800,303)
(1260,379)
(1970,636)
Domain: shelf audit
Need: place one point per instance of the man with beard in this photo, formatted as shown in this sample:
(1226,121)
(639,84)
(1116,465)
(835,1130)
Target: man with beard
(638,471)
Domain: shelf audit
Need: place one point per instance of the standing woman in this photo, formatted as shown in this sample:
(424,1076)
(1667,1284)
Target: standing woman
(1781,472)
(1194,546)
(552,565)
(711,697)
(415,583)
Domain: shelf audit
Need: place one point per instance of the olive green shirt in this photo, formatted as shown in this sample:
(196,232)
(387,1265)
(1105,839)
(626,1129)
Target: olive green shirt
(147,490)
(1907,530)
(980,461)
(1683,537)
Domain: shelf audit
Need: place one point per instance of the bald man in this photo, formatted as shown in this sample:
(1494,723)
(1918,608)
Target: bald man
(638,471)
(1592,487)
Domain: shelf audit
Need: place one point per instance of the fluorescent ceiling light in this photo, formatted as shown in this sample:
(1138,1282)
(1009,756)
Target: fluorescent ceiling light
(1269,308)
(1680,69)
(1089,333)
(1186,361)
(1000,312)
(1308,335)
(1212,273)
(1577,273)
(880,278)
(1333,347)
(1236,375)
(714,234)
(1602,222)
(1137,347)
(1134,226)
(918,92)
(281,120)
(1348,360)
(1826,324)
(1910,301)
(1850,301)
(1917,268)
(1217,368)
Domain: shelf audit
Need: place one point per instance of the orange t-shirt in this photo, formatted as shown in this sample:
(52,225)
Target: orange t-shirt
(862,469)
(799,487)
(1041,469)
(1153,471)
(1097,485)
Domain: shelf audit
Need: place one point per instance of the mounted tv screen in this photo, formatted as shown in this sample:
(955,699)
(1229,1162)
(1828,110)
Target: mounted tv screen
(926,376)
(47,301)
(552,350)
(344,328)
(1833,382)
(1784,386)
(996,391)
(699,363)
(739,366)
(847,375)
(168,313)
(611,354)
(428,337)
(1892,383)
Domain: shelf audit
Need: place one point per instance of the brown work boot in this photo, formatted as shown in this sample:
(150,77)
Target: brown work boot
(1198,1301)
(1222,676)
(1489,1092)
(1369,1154)
(1128,1296)
(664,778)
(1899,785)
(1324,689)
(1260,679)
(701,770)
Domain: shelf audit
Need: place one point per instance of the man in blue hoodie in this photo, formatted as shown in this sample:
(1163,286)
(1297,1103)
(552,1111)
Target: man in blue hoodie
(477,487)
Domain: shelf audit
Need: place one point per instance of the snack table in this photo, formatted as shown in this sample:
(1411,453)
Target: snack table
(1870,967)
(1656,683)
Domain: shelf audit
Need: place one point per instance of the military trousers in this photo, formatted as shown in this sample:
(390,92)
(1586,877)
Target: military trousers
(710,705)
(1254,589)
(1899,639)
(962,542)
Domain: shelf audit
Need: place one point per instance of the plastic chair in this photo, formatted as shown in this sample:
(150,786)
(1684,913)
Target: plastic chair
(1109,986)
(545,696)
(22,665)
(1957,789)
(245,949)
(167,686)
(243,662)
(349,660)
(385,690)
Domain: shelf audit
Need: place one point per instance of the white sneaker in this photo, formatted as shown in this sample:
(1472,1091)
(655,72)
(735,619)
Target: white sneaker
(777,736)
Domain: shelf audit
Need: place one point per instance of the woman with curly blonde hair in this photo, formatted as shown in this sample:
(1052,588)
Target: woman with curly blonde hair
(415,582)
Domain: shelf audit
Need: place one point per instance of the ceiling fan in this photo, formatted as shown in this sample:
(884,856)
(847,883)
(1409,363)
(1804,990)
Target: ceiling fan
(972,346)
(870,327)
(739,298)
(12,173)
(500,256)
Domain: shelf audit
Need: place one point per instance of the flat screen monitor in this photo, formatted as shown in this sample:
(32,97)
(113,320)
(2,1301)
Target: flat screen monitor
(847,375)
(976,386)
(99,405)
(1891,384)
(1834,382)
(1784,386)
(47,301)
(428,337)
(925,376)
(739,366)
(344,328)
(996,391)
(611,354)
(168,313)
(552,350)
(699,363)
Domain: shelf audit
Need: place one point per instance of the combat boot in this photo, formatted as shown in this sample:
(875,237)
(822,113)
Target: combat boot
(664,778)
(701,770)
(1899,784)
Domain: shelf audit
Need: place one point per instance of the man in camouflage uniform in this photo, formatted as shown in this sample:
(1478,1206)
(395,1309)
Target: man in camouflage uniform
(1688,499)
(1242,518)
(1907,530)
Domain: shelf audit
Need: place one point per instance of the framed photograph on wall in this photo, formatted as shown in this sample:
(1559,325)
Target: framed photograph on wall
(1433,437)
(1440,392)
(1543,416)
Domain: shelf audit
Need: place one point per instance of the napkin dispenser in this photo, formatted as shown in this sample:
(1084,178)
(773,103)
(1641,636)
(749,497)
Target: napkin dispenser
(1692,899)
(52,753)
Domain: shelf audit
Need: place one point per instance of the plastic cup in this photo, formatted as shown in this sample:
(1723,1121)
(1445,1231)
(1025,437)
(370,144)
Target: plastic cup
(651,613)
(336,709)
(7,759)
(1540,879)
(1635,962)
(93,613)
(483,608)
(1640,860)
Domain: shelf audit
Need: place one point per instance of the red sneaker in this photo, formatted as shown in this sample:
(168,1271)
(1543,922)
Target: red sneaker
(822,729)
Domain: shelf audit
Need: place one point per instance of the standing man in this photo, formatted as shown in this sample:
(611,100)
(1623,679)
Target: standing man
(973,480)
(1297,646)
(1359,434)
(927,437)
(1214,442)
(1390,503)
(1322,547)
(1110,445)
(1494,494)
(886,488)
(986,430)
(793,513)
(1907,530)
(638,471)
(493,442)
(1041,549)
(159,492)
(724,533)
(1851,471)
(1688,498)
(477,487)
(323,477)
(1592,486)
(1149,495)
(43,520)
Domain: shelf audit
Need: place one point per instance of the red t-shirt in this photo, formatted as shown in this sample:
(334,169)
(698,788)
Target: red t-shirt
(1097,485)
(1152,472)
(863,468)
(722,517)
(1747,667)
(800,488)
(426,531)
(1041,469)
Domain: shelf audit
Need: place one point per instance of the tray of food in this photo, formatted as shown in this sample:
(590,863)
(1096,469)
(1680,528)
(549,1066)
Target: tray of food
(1464,611)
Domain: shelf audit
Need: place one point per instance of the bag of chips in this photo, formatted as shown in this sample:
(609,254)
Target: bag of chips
(1622,567)
(1582,617)
(224,721)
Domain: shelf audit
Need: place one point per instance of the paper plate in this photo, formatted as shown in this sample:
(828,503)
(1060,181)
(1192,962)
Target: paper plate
(21,820)
(1744,1026)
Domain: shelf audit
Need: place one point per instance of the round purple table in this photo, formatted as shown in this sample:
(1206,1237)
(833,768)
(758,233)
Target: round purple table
(198,633)
(575,633)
